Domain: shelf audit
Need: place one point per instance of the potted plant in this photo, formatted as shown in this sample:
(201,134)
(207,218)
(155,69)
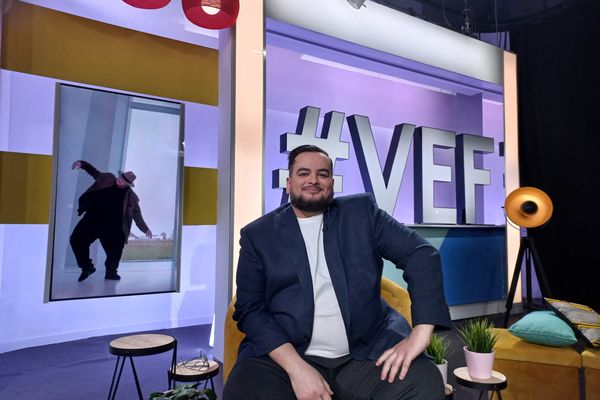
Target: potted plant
(438,348)
(479,338)
(185,392)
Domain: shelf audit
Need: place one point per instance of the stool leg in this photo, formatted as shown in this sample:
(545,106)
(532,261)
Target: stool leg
(171,376)
(499,395)
(137,382)
(116,385)
(212,384)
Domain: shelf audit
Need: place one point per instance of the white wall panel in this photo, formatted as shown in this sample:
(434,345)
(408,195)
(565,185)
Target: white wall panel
(27,124)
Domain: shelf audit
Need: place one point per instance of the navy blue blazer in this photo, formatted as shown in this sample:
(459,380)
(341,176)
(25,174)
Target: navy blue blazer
(275,303)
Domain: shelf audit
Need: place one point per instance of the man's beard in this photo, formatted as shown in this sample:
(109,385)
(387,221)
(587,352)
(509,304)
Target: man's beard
(318,205)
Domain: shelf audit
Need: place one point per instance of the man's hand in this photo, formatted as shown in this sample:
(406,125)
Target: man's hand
(398,358)
(76,165)
(307,382)
(149,234)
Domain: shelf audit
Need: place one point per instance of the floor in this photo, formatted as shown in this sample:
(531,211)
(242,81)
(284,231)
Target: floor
(136,277)
(84,368)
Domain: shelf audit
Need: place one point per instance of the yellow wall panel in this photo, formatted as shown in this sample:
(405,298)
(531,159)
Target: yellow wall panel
(199,196)
(26,180)
(40,41)
(25,183)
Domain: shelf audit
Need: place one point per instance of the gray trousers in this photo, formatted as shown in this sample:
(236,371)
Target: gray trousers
(262,379)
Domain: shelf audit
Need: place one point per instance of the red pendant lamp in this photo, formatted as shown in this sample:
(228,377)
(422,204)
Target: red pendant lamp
(147,4)
(196,12)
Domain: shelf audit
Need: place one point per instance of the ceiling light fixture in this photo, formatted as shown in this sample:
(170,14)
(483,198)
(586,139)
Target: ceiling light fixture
(211,14)
(147,4)
(357,3)
(333,64)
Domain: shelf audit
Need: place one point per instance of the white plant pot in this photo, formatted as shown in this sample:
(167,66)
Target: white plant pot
(443,368)
(480,365)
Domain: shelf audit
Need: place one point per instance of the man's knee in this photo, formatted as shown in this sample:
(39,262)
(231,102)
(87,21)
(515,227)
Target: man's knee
(257,379)
(427,380)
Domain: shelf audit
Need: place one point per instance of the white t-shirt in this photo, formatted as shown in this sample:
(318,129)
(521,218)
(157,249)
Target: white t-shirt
(329,333)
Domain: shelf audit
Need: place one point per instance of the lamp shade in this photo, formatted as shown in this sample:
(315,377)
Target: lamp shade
(147,4)
(228,12)
(528,207)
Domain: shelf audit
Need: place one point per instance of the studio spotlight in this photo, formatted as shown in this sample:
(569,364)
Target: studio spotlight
(356,3)
(527,207)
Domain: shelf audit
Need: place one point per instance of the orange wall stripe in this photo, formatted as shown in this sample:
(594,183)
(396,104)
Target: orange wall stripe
(199,196)
(41,41)
(25,183)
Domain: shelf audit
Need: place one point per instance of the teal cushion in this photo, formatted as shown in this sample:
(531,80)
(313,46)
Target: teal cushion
(544,327)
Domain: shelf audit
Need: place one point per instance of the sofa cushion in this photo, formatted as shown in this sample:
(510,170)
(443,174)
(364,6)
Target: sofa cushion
(591,366)
(544,327)
(510,347)
(591,359)
(581,317)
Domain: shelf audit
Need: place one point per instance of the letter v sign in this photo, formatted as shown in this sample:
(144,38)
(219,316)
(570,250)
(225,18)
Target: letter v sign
(384,186)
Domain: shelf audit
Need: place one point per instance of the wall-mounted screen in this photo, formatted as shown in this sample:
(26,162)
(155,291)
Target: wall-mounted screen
(116,215)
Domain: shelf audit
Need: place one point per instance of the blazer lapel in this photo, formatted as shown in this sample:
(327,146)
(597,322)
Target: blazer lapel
(334,261)
(292,239)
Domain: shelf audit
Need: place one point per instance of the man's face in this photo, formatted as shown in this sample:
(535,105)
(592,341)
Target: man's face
(122,183)
(310,184)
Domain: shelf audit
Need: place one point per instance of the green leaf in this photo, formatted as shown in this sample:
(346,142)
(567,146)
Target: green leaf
(478,335)
(210,394)
(438,348)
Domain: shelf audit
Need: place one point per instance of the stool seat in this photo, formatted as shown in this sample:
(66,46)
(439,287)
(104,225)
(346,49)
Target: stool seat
(496,382)
(141,345)
(187,373)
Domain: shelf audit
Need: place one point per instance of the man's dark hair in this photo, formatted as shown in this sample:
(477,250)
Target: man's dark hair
(307,148)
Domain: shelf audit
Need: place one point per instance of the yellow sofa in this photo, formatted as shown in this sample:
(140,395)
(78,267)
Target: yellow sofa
(591,364)
(395,295)
(537,372)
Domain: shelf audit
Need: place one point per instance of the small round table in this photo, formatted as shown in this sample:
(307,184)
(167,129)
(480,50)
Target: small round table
(495,384)
(191,372)
(135,346)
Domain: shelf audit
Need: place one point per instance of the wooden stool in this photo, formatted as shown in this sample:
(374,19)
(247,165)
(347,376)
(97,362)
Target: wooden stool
(186,372)
(135,346)
(495,384)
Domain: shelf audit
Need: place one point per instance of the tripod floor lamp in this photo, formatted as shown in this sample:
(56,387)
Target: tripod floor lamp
(527,207)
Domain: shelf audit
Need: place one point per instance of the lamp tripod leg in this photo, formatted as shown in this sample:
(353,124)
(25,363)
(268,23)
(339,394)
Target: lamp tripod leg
(515,279)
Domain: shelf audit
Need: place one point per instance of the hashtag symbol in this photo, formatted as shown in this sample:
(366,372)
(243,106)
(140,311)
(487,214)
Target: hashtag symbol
(306,133)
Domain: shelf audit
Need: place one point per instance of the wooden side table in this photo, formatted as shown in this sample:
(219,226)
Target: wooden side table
(135,346)
(192,372)
(494,384)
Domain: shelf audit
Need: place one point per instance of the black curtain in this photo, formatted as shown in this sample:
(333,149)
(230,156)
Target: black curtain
(559,143)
